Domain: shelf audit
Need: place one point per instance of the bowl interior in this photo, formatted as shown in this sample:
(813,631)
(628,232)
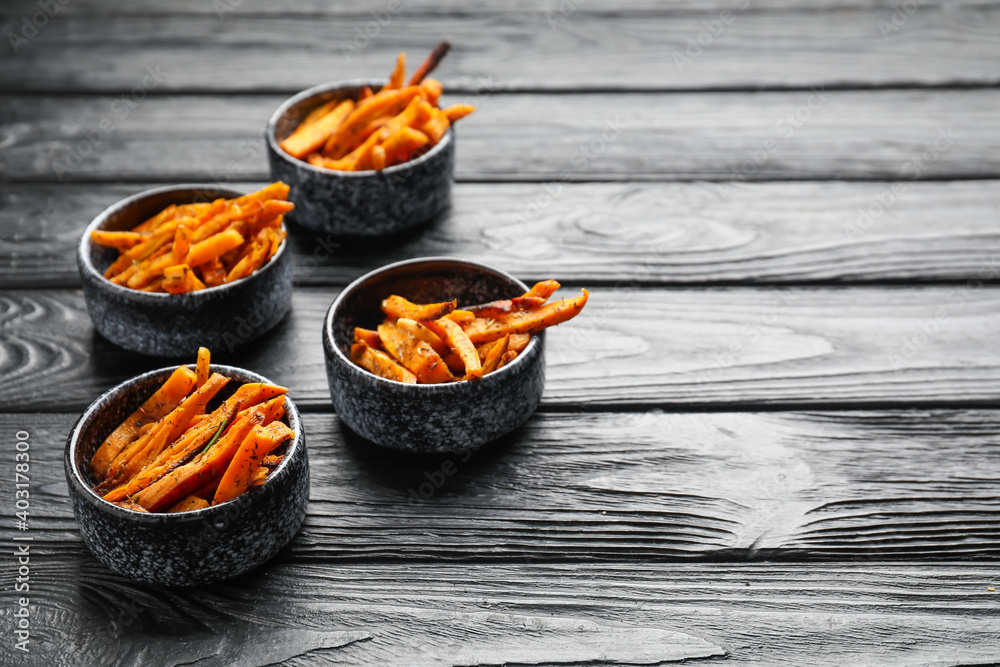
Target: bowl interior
(421,281)
(114,407)
(134,210)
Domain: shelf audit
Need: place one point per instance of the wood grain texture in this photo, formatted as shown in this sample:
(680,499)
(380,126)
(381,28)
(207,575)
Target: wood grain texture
(683,234)
(526,614)
(571,48)
(783,486)
(850,135)
(451,8)
(629,348)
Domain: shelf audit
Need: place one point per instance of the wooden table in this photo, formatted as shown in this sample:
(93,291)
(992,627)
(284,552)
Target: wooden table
(771,437)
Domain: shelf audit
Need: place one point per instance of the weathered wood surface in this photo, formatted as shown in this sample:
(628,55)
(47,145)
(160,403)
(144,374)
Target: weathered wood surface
(868,485)
(629,348)
(888,134)
(569,48)
(416,8)
(683,233)
(526,614)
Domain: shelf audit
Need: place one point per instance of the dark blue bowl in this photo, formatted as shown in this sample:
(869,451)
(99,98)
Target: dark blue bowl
(176,325)
(428,418)
(187,548)
(357,203)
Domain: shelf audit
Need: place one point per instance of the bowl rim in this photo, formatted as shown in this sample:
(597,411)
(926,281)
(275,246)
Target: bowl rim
(272,141)
(291,411)
(328,335)
(85,244)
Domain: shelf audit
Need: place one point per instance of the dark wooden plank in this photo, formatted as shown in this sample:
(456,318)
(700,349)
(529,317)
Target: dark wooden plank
(859,346)
(684,233)
(628,486)
(555,50)
(911,614)
(449,8)
(527,137)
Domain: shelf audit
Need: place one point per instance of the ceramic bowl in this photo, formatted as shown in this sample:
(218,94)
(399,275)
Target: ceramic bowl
(428,418)
(187,548)
(176,325)
(357,203)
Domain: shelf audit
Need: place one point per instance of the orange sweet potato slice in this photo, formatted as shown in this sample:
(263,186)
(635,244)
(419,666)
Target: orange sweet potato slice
(526,321)
(414,354)
(164,400)
(380,364)
(396,306)
(452,333)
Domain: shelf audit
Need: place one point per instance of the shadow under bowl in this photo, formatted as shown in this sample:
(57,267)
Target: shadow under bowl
(357,203)
(445,417)
(185,548)
(176,325)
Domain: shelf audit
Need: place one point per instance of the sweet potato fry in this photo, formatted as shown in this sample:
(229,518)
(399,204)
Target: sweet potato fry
(495,354)
(454,335)
(431,89)
(380,363)
(277,237)
(182,243)
(508,356)
(272,461)
(202,366)
(398,74)
(213,273)
(543,290)
(428,66)
(368,337)
(188,504)
(150,270)
(403,145)
(458,111)
(272,409)
(196,438)
(308,138)
(118,240)
(526,321)
(246,461)
(454,363)
(130,462)
(319,112)
(396,306)
(365,93)
(152,223)
(389,103)
(164,400)
(461,316)
(253,261)
(276,190)
(131,506)
(434,127)
(260,476)
(417,329)
(190,477)
(505,306)
(518,342)
(180,280)
(414,354)
(378,158)
(213,247)
(484,348)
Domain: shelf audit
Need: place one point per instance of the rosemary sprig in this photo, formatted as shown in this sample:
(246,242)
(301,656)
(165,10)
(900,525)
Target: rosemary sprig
(214,438)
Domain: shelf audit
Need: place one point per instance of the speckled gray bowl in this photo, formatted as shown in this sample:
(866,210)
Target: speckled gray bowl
(176,325)
(358,203)
(428,418)
(188,548)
